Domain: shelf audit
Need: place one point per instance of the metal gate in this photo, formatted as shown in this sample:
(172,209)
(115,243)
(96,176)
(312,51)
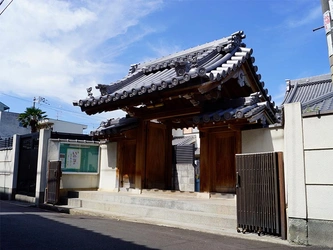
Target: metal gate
(53,182)
(27,170)
(260,194)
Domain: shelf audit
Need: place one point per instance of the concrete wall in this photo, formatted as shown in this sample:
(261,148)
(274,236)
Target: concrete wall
(308,160)
(8,170)
(184,177)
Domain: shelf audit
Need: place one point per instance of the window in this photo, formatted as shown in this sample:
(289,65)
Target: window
(79,158)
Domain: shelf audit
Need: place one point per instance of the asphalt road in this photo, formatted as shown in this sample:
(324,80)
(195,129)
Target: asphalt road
(26,227)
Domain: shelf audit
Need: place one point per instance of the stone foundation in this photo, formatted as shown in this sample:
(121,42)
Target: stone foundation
(311,232)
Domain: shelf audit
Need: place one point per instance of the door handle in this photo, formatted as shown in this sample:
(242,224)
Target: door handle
(237,180)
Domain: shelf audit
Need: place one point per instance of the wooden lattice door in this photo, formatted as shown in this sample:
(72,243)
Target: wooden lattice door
(53,182)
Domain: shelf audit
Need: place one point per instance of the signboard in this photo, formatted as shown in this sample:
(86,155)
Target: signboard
(73,160)
(79,158)
(330,2)
(327,21)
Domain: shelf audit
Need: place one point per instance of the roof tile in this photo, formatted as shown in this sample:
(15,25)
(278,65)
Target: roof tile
(314,93)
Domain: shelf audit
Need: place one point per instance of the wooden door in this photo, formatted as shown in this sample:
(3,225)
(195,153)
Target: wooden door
(156,169)
(53,182)
(260,193)
(126,161)
(223,147)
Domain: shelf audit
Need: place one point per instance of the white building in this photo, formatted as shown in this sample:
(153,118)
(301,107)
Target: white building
(9,124)
(64,126)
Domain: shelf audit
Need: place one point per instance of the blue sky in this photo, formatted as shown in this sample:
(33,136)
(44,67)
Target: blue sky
(57,49)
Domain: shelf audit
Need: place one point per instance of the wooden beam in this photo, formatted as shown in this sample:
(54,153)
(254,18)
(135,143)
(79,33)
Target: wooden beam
(166,113)
(233,124)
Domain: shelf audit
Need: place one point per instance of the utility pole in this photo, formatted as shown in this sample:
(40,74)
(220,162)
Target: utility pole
(327,8)
(38,99)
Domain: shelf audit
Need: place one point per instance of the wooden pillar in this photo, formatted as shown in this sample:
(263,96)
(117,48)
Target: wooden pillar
(168,157)
(140,155)
(205,180)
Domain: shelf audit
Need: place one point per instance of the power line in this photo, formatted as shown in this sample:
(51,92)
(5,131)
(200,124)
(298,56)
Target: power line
(49,106)
(5,7)
(15,97)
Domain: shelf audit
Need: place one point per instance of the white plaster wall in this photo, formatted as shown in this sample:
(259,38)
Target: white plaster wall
(53,150)
(6,169)
(79,181)
(177,132)
(318,153)
(318,132)
(319,167)
(320,202)
(9,168)
(262,140)
(109,173)
(294,161)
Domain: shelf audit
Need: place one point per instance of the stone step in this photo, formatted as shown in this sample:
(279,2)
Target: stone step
(214,206)
(156,214)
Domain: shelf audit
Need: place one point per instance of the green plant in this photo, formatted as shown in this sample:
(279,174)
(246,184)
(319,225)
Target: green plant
(31,117)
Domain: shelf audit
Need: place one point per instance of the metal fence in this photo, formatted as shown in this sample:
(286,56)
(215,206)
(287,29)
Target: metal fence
(6,143)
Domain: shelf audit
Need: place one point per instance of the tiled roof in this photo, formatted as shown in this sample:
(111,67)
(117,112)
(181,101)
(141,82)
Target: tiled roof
(184,140)
(215,62)
(212,60)
(314,93)
(249,108)
(115,126)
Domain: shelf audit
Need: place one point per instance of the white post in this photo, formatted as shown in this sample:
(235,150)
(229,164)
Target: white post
(295,174)
(44,136)
(109,173)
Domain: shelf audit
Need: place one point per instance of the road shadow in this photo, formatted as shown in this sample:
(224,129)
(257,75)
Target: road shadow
(22,228)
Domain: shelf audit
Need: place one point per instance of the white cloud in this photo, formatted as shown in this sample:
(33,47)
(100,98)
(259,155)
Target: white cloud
(54,48)
(298,21)
(161,49)
(164,49)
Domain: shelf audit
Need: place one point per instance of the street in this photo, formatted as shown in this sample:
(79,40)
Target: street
(26,227)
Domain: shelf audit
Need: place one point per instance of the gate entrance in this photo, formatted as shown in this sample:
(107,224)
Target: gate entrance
(223,147)
(156,170)
(217,168)
(27,170)
(260,193)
